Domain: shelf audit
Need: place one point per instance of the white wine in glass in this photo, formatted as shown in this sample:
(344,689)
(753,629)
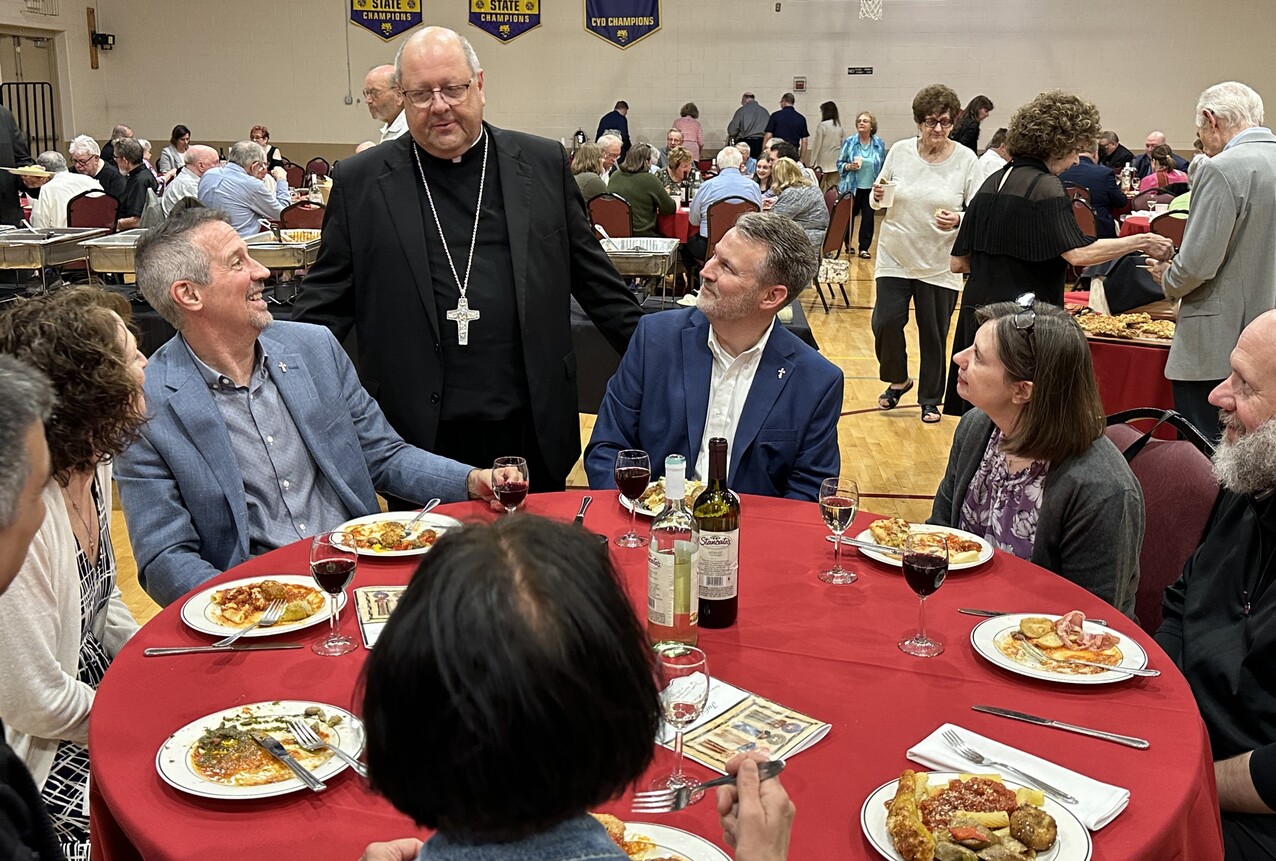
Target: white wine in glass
(839,503)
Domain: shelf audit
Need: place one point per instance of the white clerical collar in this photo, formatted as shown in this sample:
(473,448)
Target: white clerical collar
(457,160)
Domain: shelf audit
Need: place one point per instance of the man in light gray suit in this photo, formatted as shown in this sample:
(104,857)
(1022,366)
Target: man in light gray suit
(1225,271)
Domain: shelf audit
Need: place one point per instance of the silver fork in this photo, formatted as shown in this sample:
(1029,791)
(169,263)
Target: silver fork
(954,741)
(274,611)
(1042,657)
(670,800)
(310,740)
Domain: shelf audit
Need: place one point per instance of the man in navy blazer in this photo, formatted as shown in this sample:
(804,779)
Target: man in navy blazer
(1105,194)
(728,369)
(259,433)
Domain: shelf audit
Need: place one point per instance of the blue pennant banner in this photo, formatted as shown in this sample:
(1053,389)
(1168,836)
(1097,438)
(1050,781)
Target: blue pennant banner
(505,19)
(622,22)
(386,18)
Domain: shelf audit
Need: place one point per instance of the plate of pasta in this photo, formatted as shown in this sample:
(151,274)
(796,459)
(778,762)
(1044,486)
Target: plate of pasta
(230,607)
(387,534)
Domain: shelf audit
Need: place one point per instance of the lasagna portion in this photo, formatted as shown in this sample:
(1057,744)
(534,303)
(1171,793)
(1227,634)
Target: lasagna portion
(241,606)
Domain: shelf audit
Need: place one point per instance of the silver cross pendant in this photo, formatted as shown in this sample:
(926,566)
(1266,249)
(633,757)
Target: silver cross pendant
(462,315)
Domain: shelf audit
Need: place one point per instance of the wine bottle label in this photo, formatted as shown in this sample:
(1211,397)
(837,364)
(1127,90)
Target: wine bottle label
(718,564)
(660,588)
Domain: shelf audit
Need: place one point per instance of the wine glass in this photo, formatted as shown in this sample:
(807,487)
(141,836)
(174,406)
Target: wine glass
(839,503)
(333,561)
(684,680)
(509,482)
(925,563)
(633,474)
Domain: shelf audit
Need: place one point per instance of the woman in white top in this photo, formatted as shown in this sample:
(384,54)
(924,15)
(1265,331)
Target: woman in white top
(932,179)
(173,156)
(62,621)
(827,145)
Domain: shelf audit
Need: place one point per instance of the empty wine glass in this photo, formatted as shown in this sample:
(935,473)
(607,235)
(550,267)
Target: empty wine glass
(839,503)
(633,474)
(509,482)
(925,562)
(333,561)
(684,680)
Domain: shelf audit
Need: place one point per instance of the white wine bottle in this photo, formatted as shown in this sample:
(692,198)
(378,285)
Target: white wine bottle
(717,540)
(672,594)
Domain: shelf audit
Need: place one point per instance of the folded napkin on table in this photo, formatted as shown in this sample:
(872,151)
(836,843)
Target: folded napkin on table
(1099,803)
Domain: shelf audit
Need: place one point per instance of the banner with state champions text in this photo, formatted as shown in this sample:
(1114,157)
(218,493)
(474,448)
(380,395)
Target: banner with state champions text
(386,18)
(622,22)
(505,19)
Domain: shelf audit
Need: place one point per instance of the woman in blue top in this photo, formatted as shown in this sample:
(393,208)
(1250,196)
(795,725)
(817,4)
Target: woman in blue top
(858,166)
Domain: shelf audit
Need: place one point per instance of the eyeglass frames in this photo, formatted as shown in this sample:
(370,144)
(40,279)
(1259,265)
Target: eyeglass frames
(451,95)
(944,123)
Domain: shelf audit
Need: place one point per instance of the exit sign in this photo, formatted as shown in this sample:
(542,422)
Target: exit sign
(859,70)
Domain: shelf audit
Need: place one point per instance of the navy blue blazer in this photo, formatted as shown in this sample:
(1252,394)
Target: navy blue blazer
(786,440)
(1105,194)
(181,485)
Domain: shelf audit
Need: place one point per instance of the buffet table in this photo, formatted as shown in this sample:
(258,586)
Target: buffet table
(827,651)
(1131,374)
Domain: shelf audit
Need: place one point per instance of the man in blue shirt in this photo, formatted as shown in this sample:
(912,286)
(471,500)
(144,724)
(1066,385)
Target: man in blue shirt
(728,183)
(616,122)
(788,124)
(238,189)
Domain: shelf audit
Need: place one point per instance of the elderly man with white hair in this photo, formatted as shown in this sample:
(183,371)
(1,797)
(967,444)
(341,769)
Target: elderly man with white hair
(196,161)
(49,209)
(611,145)
(241,191)
(1225,269)
(728,183)
(87,159)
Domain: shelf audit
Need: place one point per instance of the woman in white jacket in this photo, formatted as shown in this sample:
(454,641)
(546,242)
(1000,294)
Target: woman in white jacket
(62,620)
(826,145)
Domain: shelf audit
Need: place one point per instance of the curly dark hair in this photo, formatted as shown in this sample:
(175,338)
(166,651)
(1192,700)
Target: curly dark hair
(1053,125)
(935,100)
(71,335)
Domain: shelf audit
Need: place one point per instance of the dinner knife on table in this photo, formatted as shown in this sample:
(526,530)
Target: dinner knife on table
(971,611)
(1127,740)
(235,647)
(275,749)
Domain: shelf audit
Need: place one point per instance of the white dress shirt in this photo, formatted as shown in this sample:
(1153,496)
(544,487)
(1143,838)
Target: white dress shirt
(393,129)
(730,380)
(49,209)
(991,162)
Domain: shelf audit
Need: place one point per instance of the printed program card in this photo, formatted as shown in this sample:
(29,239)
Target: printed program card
(374,605)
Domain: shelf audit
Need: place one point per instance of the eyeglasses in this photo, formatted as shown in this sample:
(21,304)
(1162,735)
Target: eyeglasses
(376,94)
(945,123)
(451,95)
(82,162)
(1025,319)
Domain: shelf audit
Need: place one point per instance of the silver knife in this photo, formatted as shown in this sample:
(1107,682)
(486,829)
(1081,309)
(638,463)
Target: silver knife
(580,515)
(1127,740)
(971,611)
(866,545)
(275,749)
(245,647)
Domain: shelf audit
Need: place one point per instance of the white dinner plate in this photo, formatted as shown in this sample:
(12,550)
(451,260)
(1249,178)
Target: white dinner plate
(198,611)
(690,846)
(1072,843)
(642,509)
(985,635)
(985,552)
(440,523)
(173,759)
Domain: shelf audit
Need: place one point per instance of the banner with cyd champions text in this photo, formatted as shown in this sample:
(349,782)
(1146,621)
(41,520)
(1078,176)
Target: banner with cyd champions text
(622,22)
(386,18)
(505,19)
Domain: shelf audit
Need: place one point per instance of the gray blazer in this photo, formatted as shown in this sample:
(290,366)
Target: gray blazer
(1225,271)
(1090,526)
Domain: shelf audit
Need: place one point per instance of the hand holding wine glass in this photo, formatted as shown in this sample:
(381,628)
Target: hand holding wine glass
(839,503)
(684,680)
(334,557)
(510,482)
(633,474)
(925,563)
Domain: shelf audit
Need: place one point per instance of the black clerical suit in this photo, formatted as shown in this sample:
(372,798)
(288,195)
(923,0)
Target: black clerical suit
(377,272)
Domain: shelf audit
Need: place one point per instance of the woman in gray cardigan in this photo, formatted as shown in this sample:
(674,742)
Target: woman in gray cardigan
(1030,468)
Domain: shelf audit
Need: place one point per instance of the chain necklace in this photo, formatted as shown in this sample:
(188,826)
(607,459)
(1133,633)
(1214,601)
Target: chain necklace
(462,314)
(91,534)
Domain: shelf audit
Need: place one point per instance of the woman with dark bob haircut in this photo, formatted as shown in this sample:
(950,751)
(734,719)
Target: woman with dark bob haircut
(1019,233)
(1030,468)
(514,651)
(63,621)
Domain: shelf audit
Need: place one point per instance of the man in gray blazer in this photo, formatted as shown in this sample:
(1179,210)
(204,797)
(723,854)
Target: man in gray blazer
(1225,271)
(259,432)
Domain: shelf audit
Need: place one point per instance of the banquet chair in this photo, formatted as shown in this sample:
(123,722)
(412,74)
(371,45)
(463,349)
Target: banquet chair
(722,216)
(92,208)
(610,211)
(1076,192)
(302,215)
(296,175)
(1170,225)
(1143,201)
(834,238)
(1084,215)
(317,167)
(704,165)
(1179,494)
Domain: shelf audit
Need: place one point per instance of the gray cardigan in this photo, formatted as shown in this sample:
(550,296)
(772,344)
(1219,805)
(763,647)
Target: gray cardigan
(1090,526)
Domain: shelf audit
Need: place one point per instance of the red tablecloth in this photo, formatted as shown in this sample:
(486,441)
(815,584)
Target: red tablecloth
(676,226)
(1131,375)
(828,651)
(1133,224)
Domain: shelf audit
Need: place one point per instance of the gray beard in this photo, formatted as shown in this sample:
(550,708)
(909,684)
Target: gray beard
(1247,466)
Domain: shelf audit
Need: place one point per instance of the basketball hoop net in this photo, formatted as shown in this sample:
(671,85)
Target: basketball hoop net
(871,9)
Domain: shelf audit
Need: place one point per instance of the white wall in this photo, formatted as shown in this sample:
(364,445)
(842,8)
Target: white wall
(220,67)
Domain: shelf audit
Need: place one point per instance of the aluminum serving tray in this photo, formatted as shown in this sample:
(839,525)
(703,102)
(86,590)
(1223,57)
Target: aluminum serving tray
(114,253)
(35,249)
(641,255)
(266,250)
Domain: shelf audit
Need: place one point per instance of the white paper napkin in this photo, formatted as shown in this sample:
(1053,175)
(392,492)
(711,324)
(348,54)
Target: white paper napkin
(1098,803)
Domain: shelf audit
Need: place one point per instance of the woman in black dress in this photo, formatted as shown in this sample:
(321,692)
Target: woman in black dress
(966,129)
(1019,234)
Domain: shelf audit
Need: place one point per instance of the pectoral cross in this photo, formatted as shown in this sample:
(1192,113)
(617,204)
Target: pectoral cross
(780,374)
(463,316)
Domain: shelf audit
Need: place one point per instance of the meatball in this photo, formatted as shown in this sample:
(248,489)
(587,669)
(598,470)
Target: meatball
(1033,827)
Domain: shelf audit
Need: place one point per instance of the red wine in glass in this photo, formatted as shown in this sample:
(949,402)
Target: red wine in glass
(632,481)
(333,575)
(511,494)
(924,573)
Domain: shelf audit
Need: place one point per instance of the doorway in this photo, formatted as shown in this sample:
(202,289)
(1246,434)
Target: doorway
(28,69)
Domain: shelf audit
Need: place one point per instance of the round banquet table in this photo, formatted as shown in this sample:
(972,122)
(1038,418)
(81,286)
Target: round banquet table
(677,225)
(827,651)
(1134,224)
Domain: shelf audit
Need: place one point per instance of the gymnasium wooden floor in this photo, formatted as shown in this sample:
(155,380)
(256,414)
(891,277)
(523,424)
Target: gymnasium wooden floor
(896,459)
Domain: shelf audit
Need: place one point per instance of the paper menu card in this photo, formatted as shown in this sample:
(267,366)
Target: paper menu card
(735,721)
(374,604)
